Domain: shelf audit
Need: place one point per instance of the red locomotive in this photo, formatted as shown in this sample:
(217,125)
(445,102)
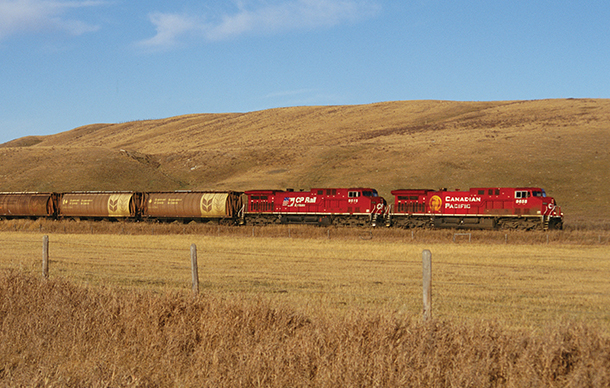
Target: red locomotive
(478,208)
(347,207)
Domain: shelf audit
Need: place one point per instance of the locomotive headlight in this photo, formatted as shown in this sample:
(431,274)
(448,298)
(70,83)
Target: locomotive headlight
(539,212)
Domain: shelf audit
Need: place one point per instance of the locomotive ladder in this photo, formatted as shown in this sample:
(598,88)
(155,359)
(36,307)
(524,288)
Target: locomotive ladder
(545,222)
(388,215)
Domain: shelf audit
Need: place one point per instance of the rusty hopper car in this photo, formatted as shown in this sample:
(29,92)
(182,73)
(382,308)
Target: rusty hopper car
(28,205)
(99,205)
(186,206)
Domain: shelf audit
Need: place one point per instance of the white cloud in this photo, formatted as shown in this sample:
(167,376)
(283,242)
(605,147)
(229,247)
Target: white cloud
(264,17)
(26,16)
(169,27)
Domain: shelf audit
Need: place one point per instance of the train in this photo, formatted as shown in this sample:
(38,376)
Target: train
(525,208)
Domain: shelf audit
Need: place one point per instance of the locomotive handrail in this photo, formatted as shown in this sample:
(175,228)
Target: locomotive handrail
(389,209)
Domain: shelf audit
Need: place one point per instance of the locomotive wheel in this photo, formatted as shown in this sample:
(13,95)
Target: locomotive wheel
(262,219)
(519,223)
(410,222)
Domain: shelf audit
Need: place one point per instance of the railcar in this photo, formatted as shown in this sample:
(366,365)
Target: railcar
(98,205)
(478,208)
(218,206)
(28,205)
(325,206)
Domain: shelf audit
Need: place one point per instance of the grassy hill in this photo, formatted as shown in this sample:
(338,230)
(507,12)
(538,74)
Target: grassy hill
(560,145)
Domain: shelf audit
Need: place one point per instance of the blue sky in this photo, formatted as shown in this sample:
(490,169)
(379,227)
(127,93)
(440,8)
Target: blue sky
(67,63)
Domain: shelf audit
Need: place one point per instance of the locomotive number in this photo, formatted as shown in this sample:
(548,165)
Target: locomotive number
(521,201)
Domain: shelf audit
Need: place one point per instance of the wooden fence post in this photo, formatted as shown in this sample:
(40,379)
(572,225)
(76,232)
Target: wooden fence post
(195,271)
(45,257)
(427,283)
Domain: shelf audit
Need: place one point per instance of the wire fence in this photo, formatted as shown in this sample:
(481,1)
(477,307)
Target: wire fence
(513,290)
(574,236)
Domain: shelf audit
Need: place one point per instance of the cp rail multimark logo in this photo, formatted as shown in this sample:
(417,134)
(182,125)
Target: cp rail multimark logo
(436,203)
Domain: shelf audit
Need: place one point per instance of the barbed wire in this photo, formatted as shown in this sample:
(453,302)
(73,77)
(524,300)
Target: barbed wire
(279,268)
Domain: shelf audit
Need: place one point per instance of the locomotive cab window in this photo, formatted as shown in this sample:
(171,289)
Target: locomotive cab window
(370,193)
(353,194)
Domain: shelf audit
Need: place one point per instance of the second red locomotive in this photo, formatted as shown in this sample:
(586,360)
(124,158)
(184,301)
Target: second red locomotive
(348,207)
(478,208)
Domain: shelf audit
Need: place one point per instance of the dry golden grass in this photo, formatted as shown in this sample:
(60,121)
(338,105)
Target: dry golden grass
(303,310)
(54,333)
(561,145)
(523,283)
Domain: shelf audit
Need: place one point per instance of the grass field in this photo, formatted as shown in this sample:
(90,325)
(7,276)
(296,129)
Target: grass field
(301,310)
(517,284)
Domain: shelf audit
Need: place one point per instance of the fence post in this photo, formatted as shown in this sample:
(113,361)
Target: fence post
(195,271)
(45,257)
(427,283)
